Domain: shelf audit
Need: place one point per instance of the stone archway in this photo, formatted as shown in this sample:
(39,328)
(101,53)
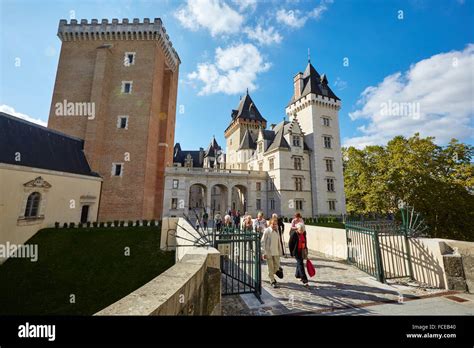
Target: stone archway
(197,199)
(219,199)
(239,198)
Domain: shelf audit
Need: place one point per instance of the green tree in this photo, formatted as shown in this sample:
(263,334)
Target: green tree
(437,181)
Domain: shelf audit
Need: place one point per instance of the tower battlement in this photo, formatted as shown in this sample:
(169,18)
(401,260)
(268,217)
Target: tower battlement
(119,30)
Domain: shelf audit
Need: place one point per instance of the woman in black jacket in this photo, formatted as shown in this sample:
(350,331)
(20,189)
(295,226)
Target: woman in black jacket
(299,250)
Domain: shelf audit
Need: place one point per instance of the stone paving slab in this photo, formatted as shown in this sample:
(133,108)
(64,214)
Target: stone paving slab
(337,287)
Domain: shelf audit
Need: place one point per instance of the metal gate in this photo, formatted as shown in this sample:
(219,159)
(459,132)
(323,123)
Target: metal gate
(379,248)
(240,261)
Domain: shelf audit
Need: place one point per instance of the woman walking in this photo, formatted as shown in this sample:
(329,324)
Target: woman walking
(299,250)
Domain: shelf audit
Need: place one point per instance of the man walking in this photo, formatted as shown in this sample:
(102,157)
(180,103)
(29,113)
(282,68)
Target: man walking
(272,249)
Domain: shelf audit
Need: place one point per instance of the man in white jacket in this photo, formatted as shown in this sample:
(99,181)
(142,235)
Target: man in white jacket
(271,249)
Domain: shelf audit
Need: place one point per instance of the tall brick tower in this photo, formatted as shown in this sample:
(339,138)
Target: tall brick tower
(126,76)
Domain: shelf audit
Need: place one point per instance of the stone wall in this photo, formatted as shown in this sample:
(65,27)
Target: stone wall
(190,287)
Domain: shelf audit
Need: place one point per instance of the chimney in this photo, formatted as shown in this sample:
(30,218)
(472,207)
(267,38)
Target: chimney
(298,83)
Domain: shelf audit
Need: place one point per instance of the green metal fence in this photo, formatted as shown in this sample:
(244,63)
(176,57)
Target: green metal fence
(379,248)
(240,261)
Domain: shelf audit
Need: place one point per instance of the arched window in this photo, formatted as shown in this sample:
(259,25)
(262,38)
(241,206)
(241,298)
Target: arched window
(32,205)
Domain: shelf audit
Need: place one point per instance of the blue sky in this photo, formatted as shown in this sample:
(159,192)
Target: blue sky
(416,52)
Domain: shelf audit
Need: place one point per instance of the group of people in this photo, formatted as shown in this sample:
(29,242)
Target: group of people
(273,247)
(271,232)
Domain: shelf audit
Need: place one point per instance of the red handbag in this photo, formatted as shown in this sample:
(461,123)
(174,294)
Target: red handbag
(310,268)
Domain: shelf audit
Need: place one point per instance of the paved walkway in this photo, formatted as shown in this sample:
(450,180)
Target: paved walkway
(341,289)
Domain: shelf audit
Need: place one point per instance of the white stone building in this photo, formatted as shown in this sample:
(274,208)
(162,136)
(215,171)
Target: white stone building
(295,166)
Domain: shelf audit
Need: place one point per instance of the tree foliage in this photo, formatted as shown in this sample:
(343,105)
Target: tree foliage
(437,181)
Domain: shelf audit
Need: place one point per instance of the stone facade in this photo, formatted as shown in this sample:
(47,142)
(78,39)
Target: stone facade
(294,166)
(127,72)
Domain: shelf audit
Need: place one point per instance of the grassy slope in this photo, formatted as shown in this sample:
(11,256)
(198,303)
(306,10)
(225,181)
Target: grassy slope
(89,263)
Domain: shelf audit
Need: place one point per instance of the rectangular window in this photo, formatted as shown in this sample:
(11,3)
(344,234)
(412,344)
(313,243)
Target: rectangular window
(296,141)
(298,204)
(271,163)
(127,87)
(129,58)
(117,169)
(175,183)
(298,184)
(259,204)
(122,122)
(174,203)
(259,186)
(329,167)
(327,142)
(272,204)
(297,163)
(326,121)
(330,184)
(260,147)
(332,205)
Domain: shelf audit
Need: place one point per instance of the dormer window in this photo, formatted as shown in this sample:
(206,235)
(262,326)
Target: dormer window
(296,141)
(260,147)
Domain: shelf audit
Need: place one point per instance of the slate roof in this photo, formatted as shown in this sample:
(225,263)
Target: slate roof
(247,142)
(179,156)
(247,110)
(279,141)
(41,147)
(314,83)
(212,149)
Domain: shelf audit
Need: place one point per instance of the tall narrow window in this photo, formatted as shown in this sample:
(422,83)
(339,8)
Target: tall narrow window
(271,163)
(330,184)
(258,186)
(129,59)
(174,203)
(298,184)
(296,140)
(259,204)
(32,205)
(332,205)
(329,167)
(298,204)
(117,169)
(326,121)
(122,122)
(127,87)
(327,142)
(297,163)
(175,183)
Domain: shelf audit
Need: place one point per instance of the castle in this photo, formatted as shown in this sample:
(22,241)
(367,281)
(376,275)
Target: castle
(295,166)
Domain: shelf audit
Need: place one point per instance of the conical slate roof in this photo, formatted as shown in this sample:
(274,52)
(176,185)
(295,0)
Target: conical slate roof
(247,110)
(315,84)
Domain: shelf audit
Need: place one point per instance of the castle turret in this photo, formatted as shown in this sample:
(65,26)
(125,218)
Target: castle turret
(316,108)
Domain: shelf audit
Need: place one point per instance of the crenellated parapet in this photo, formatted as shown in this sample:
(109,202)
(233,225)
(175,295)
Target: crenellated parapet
(120,30)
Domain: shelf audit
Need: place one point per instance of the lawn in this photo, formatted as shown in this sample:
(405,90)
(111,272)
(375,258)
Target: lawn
(88,263)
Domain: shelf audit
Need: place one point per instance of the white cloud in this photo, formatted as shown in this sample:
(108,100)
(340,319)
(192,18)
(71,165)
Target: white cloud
(234,69)
(11,111)
(213,15)
(340,84)
(297,18)
(439,88)
(292,18)
(246,4)
(263,36)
